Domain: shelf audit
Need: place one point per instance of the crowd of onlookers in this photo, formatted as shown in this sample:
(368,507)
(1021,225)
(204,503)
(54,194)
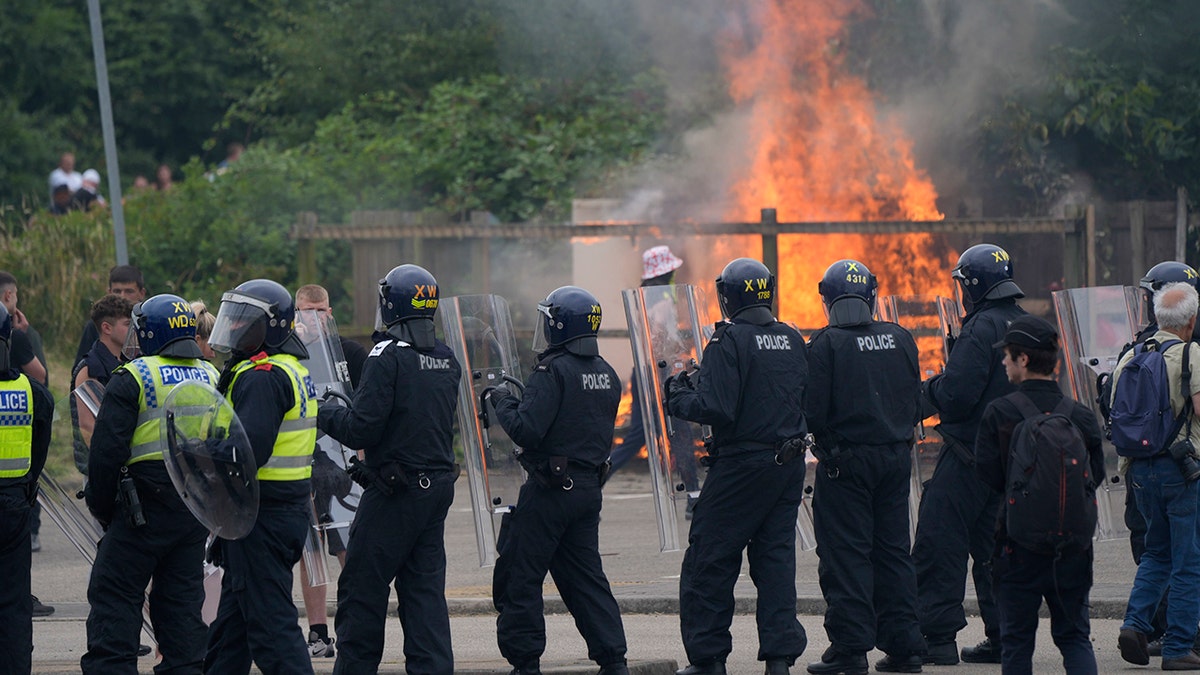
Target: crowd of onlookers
(71,190)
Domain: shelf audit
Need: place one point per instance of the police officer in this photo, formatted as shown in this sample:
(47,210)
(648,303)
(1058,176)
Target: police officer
(751,391)
(402,417)
(957,515)
(862,405)
(26,410)
(154,537)
(273,396)
(564,423)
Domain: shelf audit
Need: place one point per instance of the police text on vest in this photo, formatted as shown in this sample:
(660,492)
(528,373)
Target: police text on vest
(874,343)
(773,342)
(430,363)
(595,381)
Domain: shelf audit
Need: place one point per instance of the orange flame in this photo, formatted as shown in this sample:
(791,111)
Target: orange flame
(819,151)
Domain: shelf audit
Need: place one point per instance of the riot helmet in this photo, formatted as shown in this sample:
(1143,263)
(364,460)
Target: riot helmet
(256,315)
(848,291)
(6,329)
(743,284)
(1160,275)
(163,324)
(408,299)
(569,318)
(984,272)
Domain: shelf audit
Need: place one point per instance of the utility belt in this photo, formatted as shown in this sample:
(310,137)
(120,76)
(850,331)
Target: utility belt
(391,477)
(555,471)
(783,451)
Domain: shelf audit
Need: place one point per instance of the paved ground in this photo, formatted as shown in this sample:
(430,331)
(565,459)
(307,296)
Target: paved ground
(644,580)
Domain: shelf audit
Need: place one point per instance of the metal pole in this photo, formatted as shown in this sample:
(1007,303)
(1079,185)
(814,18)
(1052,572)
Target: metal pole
(106,124)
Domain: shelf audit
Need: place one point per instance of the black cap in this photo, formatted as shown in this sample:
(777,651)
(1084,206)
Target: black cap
(1030,331)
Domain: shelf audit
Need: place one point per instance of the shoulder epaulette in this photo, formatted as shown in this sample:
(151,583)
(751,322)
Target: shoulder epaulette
(380,346)
(544,364)
(719,329)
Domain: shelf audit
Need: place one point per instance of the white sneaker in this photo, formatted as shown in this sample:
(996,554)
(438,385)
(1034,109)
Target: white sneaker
(320,648)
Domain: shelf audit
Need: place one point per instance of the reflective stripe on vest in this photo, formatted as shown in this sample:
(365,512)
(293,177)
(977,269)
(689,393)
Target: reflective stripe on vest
(147,440)
(291,457)
(16,427)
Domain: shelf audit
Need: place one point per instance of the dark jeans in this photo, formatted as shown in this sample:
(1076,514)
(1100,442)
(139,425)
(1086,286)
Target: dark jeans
(1023,579)
(168,549)
(957,520)
(397,539)
(749,503)
(16,604)
(257,619)
(866,572)
(1171,508)
(557,531)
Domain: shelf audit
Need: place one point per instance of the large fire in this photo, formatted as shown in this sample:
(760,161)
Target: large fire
(819,151)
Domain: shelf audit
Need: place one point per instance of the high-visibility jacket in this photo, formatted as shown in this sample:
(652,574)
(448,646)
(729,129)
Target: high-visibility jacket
(291,457)
(16,427)
(157,376)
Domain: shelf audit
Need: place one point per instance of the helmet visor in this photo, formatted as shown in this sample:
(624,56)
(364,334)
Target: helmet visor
(380,326)
(241,324)
(132,348)
(541,335)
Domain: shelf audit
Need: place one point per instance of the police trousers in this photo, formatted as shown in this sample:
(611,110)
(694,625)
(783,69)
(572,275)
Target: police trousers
(866,572)
(16,605)
(957,519)
(257,619)
(400,539)
(748,503)
(168,550)
(555,530)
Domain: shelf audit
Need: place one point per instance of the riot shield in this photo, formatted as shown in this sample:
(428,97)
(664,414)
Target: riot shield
(335,496)
(209,459)
(479,330)
(1094,325)
(666,334)
(90,393)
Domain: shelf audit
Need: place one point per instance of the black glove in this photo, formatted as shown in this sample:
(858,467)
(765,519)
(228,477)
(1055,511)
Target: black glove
(360,473)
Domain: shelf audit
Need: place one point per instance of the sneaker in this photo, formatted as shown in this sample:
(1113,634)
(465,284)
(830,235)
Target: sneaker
(39,609)
(984,652)
(1133,647)
(1188,661)
(320,647)
(35,543)
(1154,648)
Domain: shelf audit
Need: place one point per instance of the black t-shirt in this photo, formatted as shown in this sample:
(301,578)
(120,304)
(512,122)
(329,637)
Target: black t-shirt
(21,351)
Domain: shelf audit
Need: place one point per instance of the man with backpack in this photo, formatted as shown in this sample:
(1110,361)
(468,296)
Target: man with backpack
(1154,398)
(1044,452)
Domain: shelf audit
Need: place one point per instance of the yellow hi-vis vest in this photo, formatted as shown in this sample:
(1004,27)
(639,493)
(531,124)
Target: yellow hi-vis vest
(16,427)
(157,376)
(291,458)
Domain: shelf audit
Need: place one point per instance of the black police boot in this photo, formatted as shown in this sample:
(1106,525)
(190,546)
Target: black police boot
(527,669)
(715,668)
(899,664)
(778,667)
(941,652)
(614,669)
(984,652)
(834,662)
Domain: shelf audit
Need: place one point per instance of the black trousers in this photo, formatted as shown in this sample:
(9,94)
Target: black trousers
(1023,579)
(16,606)
(257,619)
(168,550)
(957,519)
(398,539)
(866,572)
(554,530)
(749,503)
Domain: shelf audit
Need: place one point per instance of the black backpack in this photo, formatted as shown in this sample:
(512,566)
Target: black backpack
(1050,493)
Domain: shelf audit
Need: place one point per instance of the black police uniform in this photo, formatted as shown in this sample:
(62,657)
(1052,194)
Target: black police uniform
(16,496)
(862,406)
(257,618)
(169,548)
(402,416)
(750,390)
(1027,577)
(957,515)
(567,411)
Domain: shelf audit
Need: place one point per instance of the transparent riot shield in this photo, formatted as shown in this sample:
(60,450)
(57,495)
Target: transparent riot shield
(1094,325)
(479,330)
(84,405)
(934,323)
(666,334)
(335,497)
(209,459)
